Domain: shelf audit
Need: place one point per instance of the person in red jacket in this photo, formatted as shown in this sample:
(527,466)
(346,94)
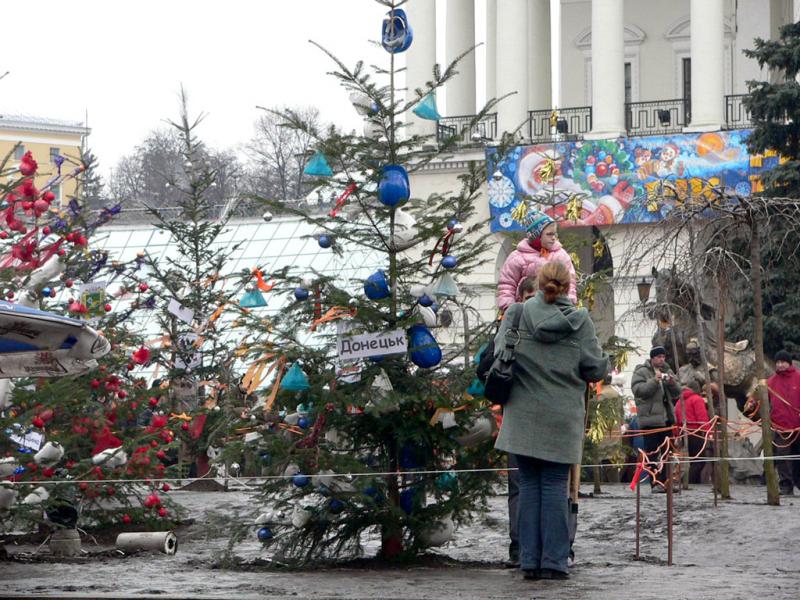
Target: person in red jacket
(698,424)
(784,400)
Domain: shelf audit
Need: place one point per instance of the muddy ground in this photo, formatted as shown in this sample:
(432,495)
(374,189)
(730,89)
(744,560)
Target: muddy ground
(742,549)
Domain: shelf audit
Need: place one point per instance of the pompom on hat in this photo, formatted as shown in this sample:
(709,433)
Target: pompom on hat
(535,222)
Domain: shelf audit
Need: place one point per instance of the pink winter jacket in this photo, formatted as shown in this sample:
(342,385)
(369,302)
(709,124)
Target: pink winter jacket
(526,261)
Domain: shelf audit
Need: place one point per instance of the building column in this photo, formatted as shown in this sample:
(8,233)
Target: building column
(491,49)
(708,83)
(608,70)
(539,78)
(460,37)
(511,66)
(420,58)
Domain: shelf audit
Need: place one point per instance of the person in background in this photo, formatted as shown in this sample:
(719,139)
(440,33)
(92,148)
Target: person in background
(527,289)
(543,421)
(698,426)
(784,400)
(655,389)
(540,247)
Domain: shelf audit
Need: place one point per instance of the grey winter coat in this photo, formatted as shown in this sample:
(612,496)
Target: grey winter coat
(557,355)
(653,407)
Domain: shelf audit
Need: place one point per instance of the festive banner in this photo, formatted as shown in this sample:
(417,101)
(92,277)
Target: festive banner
(626,180)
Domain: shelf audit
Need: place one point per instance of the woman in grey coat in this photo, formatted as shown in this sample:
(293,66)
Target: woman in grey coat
(543,421)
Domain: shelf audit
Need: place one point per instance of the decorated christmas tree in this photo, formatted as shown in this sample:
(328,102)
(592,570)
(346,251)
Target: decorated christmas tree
(372,423)
(74,447)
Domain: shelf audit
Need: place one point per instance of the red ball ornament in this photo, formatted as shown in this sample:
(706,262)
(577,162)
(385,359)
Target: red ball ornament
(122,394)
(38,421)
(130,366)
(154,443)
(601,169)
(141,356)
(153,401)
(126,519)
(46,230)
(185,426)
(107,308)
(68,283)
(110,491)
(61,252)
(3,235)
(165,487)
(161,455)
(48,471)
(162,512)
(143,287)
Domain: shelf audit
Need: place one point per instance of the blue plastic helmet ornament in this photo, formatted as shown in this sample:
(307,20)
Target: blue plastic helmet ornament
(393,188)
(426,109)
(264,534)
(318,166)
(396,33)
(425,300)
(301,293)
(294,380)
(325,241)
(422,346)
(376,286)
(301,480)
(449,262)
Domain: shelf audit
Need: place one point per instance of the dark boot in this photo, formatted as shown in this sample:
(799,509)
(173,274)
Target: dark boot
(513,556)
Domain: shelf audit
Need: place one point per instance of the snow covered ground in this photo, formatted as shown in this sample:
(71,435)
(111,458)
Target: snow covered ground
(742,549)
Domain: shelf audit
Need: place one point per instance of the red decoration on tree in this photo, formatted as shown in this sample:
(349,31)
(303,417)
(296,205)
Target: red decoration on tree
(28,165)
(38,421)
(141,356)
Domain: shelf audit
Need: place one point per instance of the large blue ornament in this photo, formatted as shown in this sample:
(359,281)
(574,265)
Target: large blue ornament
(303,422)
(425,300)
(264,534)
(295,380)
(409,500)
(301,480)
(318,166)
(396,33)
(449,262)
(325,241)
(301,293)
(376,286)
(393,188)
(422,347)
(335,506)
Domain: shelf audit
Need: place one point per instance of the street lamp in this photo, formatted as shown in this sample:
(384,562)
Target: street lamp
(643,287)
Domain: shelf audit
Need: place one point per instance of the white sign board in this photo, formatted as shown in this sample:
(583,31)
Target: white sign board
(371,344)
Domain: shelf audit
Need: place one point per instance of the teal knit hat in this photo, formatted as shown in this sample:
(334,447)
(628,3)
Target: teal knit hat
(535,223)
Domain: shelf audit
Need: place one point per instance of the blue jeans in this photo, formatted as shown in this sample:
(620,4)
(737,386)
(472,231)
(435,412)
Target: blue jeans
(543,514)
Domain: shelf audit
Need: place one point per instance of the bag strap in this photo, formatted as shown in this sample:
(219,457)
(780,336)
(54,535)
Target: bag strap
(514,329)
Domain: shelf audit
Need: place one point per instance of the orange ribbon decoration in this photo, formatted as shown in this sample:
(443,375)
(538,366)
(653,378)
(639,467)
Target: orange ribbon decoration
(334,313)
(260,283)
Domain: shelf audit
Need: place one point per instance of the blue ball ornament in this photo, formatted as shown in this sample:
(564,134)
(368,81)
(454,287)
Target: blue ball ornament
(435,307)
(301,293)
(303,422)
(264,534)
(335,506)
(449,262)
(325,241)
(301,480)
(425,300)
(46,292)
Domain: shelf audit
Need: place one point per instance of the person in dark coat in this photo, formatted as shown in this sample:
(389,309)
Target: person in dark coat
(655,389)
(527,289)
(543,420)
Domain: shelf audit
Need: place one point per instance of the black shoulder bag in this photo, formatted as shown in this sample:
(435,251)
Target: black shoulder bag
(501,375)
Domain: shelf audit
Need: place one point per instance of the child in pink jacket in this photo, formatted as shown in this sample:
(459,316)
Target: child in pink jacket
(540,246)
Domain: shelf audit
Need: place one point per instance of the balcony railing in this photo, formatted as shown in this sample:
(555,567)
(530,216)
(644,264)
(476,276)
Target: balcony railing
(468,132)
(571,124)
(657,117)
(736,115)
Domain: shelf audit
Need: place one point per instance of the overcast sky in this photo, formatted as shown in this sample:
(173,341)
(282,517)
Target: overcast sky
(123,63)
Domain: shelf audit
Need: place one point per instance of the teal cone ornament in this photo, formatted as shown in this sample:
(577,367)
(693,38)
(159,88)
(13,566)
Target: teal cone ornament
(475,388)
(427,108)
(318,166)
(446,286)
(294,380)
(252,299)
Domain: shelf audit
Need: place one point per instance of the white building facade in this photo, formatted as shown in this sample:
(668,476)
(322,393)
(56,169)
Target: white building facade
(651,88)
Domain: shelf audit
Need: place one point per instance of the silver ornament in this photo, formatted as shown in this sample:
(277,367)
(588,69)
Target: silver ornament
(267,216)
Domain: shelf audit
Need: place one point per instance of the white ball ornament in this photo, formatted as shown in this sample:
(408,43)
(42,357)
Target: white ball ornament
(267,216)
(441,533)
